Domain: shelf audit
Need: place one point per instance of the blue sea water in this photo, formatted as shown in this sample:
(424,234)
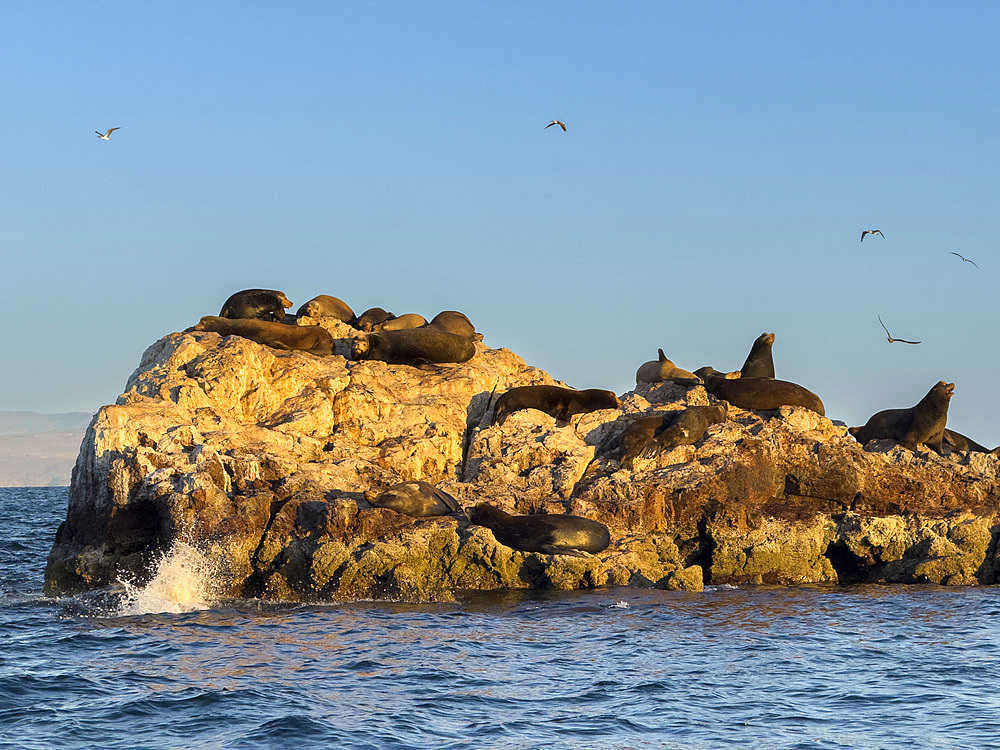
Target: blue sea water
(760,667)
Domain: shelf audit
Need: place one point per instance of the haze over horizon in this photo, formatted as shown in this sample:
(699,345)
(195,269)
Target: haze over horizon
(719,164)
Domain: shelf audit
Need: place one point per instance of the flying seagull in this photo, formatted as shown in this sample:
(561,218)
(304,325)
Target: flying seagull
(965,259)
(891,339)
(556,122)
(872,231)
(106,136)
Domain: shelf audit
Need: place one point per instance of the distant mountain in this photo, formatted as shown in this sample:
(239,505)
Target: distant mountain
(39,450)
(20,422)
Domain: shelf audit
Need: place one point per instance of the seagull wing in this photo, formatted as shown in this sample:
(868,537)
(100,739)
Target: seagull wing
(904,341)
(113,130)
(563,126)
(879,233)
(884,328)
(863,235)
(549,125)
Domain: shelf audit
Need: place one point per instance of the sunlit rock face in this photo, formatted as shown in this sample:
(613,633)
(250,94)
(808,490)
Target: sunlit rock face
(262,459)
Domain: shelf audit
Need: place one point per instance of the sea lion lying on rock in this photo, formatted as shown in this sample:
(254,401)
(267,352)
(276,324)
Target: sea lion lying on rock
(548,534)
(686,427)
(760,394)
(418,498)
(921,424)
(257,304)
(457,323)
(554,400)
(661,369)
(372,317)
(418,347)
(409,320)
(325,306)
(648,436)
(313,339)
(959,442)
(759,362)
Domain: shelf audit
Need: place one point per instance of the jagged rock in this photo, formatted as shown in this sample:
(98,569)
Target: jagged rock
(261,459)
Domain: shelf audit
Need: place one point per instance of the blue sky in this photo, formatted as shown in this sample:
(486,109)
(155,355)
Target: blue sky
(720,162)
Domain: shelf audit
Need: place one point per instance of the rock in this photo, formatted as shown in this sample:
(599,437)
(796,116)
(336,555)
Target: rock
(261,459)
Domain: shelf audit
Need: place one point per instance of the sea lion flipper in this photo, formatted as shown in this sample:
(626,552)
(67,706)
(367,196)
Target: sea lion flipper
(651,449)
(663,357)
(449,502)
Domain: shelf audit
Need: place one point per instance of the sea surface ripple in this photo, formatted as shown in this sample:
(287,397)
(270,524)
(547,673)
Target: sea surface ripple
(762,667)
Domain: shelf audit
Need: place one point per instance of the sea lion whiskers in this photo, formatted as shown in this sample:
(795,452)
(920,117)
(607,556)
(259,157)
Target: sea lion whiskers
(889,335)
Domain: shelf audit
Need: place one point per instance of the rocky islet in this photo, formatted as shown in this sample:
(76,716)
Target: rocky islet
(262,458)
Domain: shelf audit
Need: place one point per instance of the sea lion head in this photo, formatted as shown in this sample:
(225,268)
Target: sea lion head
(766,338)
(707,372)
(483,513)
(311,309)
(285,302)
(361,347)
(944,390)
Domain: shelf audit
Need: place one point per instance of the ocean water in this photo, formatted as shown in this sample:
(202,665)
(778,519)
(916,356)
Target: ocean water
(165,666)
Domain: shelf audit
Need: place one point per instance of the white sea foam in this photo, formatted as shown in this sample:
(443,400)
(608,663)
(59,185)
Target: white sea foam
(182,582)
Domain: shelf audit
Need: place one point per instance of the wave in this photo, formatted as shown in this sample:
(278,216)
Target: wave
(183,581)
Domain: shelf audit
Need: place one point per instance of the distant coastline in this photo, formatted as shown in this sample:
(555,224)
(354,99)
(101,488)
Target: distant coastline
(39,450)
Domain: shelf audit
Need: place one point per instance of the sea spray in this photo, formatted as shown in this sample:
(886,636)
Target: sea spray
(183,581)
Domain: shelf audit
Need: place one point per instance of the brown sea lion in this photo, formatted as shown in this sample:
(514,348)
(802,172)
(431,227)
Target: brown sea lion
(325,306)
(686,427)
(760,394)
(959,442)
(371,318)
(549,534)
(635,437)
(418,498)
(554,400)
(662,369)
(409,320)
(456,322)
(923,424)
(313,339)
(759,362)
(257,304)
(418,347)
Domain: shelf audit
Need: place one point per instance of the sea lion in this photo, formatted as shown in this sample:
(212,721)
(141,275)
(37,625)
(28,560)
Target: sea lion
(760,394)
(418,499)
(455,322)
(325,306)
(920,424)
(313,339)
(554,400)
(959,442)
(635,437)
(418,347)
(759,363)
(661,369)
(686,427)
(648,436)
(258,304)
(409,320)
(371,318)
(549,534)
